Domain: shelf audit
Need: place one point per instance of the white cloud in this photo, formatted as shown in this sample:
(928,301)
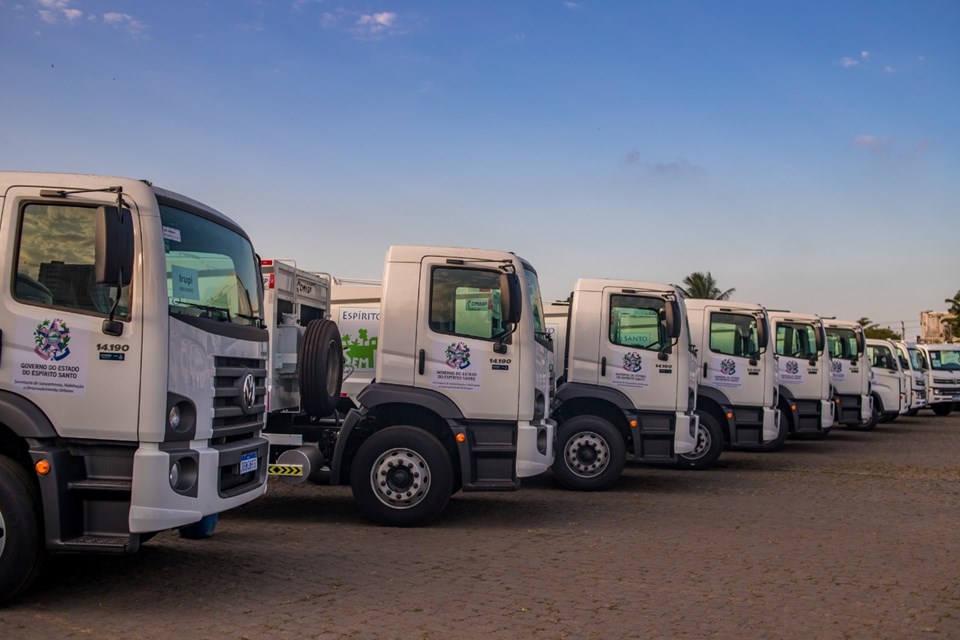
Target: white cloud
(123,21)
(53,10)
(874,144)
(571,5)
(373,25)
(848,62)
(864,54)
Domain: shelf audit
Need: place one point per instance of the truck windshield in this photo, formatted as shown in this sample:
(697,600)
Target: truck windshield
(536,305)
(945,360)
(211,269)
(916,359)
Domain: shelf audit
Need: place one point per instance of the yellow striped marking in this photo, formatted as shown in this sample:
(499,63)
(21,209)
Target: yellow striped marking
(285,469)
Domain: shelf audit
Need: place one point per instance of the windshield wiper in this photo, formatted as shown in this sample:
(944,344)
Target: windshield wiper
(208,308)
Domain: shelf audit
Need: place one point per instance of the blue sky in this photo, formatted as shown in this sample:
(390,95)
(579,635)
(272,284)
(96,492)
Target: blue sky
(806,153)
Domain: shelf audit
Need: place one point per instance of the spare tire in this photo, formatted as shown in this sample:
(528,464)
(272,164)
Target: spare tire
(320,368)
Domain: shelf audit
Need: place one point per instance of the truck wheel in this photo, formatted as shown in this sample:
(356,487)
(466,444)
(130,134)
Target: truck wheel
(709,445)
(21,534)
(912,412)
(401,476)
(874,419)
(320,368)
(590,453)
(942,408)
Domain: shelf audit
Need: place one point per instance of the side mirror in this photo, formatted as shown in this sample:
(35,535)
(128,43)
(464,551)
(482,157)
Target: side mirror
(861,344)
(113,263)
(674,324)
(511,300)
(819,341)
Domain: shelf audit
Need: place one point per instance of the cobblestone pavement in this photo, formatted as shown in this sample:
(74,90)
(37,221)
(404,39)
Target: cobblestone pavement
(854,536)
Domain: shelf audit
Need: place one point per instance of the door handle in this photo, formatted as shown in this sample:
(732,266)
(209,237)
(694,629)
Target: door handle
(704,369)
(603,366)
(422,359)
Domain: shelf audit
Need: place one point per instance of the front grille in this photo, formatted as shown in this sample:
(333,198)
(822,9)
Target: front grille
(232,419)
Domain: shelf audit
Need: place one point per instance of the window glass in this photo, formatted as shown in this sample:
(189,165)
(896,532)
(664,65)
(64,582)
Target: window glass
(916,358)
(55,261)
(880,356)
(945,360)
(904,362)
(734,334)
(842,343)
(466,302)
(638,322)
(536,302)
(211,269)
(796,340)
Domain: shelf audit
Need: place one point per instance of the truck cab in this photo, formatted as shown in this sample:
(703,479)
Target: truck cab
(849,372)
(626,383)
(355,307)
(889,384)
(806,398)
(913,363)
(738,375)
(461,393)
(943,376)
(132,366)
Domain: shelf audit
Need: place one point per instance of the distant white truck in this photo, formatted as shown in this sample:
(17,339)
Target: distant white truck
(849,372)
(943,376)
(461,394)
(806,398)
(738,375)
(889,383)
(626,382)
(914,365)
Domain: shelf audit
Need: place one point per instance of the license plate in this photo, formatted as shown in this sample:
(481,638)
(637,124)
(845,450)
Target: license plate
(248,462)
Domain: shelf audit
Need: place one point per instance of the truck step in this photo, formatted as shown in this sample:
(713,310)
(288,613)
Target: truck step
(97,544)
(485,449)
(101,485)
(490,485)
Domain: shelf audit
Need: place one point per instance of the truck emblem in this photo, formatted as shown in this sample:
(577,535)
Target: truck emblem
(836,366)
(792,367)
(632,362)
(52,339)
(728,367)
(458,356)
(248,393)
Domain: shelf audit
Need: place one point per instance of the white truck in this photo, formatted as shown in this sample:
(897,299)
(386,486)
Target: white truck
(738,375)
(912,361)
(806,399)
(849,372)
(943,376)
(461,393)
(132,364)
(888,382)
(625,383)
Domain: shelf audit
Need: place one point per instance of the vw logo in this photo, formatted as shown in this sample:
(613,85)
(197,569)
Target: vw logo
(248,393)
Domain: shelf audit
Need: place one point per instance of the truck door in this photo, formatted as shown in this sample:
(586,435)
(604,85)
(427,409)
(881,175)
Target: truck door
(54,350)
(888,379)
(460,325)
(636,355)
(731,361)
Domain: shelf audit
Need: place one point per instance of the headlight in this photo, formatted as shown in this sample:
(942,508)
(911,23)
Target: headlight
(173,418)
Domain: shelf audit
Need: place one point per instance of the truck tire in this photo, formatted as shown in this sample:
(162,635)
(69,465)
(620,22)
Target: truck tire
(874,419)
(591,454)
(942,408)
(401,476)
(912,412)
(21,534)
(709,445)
(320,368)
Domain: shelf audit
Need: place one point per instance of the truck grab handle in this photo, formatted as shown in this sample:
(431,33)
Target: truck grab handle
(421,360)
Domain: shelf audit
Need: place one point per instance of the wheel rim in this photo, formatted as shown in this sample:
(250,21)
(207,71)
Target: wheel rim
(704,440)
(587,454)
(400,478)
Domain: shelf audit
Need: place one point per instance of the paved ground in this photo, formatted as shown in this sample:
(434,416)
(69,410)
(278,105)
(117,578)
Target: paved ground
(855,536)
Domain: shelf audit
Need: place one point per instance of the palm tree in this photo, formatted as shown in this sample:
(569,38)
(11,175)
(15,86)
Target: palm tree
(702,286)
